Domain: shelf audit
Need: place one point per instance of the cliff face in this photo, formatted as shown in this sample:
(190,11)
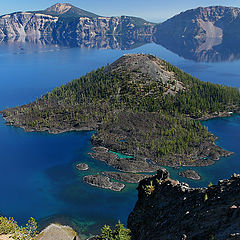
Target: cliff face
(22,24)
(201,23)
(167,209)
(202,34)
(67,22)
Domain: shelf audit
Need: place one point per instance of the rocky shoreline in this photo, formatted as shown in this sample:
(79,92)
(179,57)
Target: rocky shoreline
(82,167)
(122,164)
(126,177)
(103,182)
(190,174)
(217,115)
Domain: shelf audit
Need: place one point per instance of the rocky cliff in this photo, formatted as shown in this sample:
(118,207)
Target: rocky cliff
(63,21)
(201,23)
(167,209)
(202,34)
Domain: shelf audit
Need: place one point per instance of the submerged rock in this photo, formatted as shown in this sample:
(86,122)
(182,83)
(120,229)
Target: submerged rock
(103,182)
(189,173)
(59,232)
(82,166)
(126,177)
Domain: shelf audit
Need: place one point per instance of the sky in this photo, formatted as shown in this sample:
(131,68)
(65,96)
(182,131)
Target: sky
(153,10)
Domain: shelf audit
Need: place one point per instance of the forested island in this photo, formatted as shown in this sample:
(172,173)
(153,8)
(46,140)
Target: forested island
(139,105)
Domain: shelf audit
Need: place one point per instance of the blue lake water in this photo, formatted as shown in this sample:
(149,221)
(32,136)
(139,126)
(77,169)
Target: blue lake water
(37,170)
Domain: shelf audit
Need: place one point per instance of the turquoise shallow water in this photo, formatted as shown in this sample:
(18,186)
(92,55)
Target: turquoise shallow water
(37,170)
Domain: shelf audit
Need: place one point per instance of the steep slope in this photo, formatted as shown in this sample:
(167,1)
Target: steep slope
(20,25)
(66,10)
(139,105)
(201,34)
(64,22)
(201,23)
(167,209)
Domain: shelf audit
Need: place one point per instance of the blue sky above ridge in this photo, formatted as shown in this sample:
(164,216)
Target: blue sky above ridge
(153,10)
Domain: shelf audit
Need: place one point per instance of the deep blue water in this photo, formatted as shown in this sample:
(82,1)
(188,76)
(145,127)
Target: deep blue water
(37,170)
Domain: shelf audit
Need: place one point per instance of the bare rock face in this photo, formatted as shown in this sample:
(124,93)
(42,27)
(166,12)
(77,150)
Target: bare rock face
(167,209)
(202,34)
(59,232)
(148,66)
(200,23)
(19,25)
(64,22)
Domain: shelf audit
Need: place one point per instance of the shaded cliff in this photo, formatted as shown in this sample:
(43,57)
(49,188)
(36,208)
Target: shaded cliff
(202,34)
(202,23)
(167,209)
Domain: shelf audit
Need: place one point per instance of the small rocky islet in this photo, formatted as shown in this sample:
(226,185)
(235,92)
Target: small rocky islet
(190,174)
(82,167)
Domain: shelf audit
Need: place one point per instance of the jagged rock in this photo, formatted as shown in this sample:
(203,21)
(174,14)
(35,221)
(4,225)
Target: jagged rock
(103,182)
(59,232)
(82,166)
(189,173)
(173,210)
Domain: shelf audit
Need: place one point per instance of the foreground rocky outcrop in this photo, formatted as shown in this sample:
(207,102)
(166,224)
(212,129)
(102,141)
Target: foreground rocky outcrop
(5,237)
(167,209)
(59,232)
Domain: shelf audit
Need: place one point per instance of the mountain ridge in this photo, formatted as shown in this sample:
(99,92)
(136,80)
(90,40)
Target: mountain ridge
(67,10)
(66,23)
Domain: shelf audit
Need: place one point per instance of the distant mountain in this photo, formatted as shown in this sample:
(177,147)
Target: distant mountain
(208,34)
(67,10)
(64,22)
(202,23)
(202,34)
